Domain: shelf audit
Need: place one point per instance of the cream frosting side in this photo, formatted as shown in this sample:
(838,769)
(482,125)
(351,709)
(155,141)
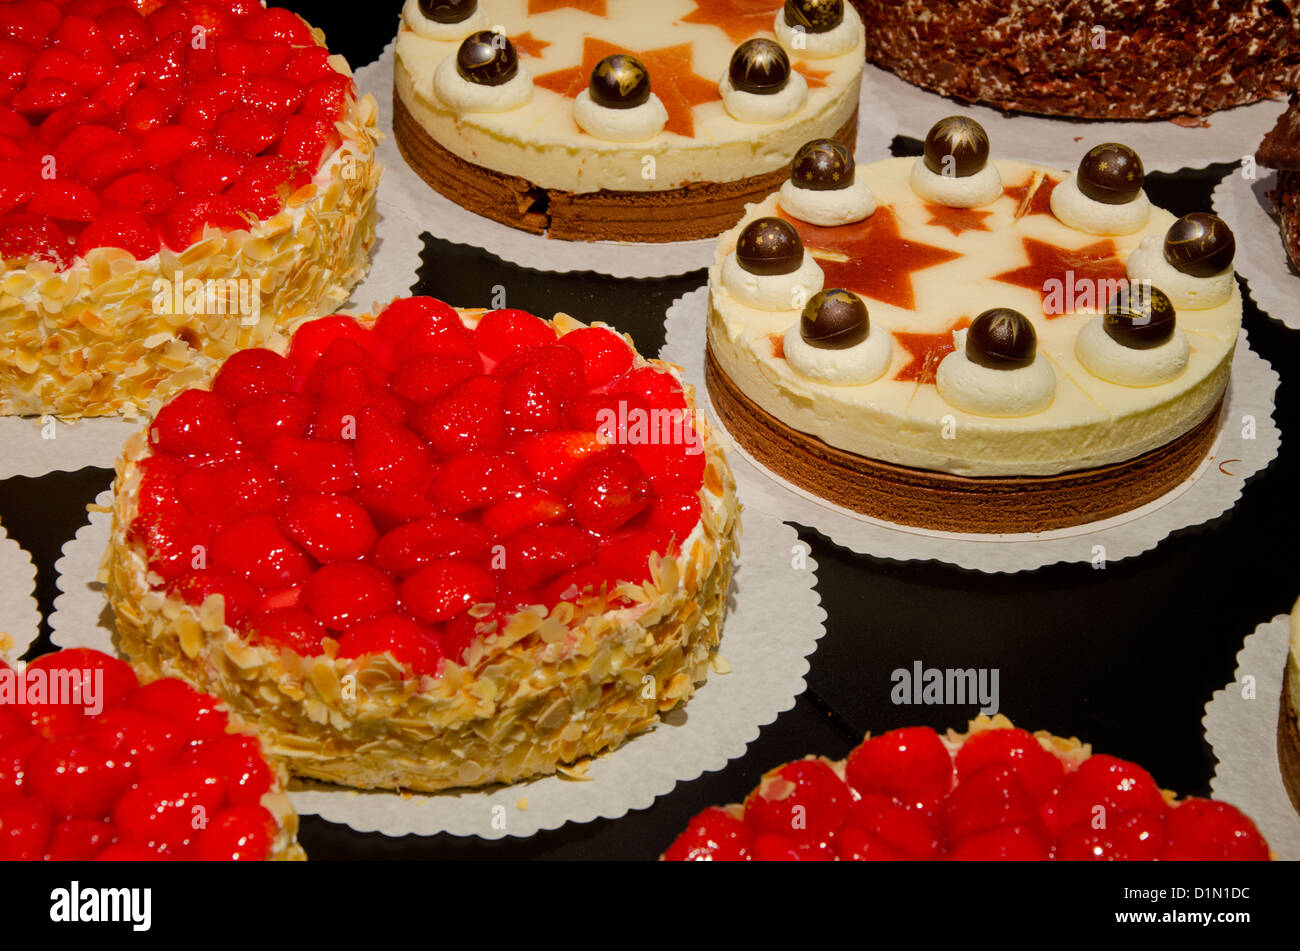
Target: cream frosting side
(464,96)
(861,363)
(413,17)
(542,143)
(1091,421)
(828,207)
(970,191)
(620,125)
(755,107)
(987,391)
(1076,210)
(848,35)
(1110,360)
(1185,291)
(773,292)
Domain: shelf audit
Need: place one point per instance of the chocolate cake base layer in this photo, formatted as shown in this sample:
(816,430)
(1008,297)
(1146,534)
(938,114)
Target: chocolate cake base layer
(1288,742)
(700,210)
(939,500)
(1128,59)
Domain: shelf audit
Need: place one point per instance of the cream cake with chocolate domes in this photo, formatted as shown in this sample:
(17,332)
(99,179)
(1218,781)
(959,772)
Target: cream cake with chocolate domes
(973,344)
(620,119)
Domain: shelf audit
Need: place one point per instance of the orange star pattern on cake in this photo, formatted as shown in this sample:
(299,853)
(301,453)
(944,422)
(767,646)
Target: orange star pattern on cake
(586,6)
(739,19)
(1037,202)
(925,352)
(871,257)
(528,45)
(1065,277)
(671,77)
(957,220)
(816,78)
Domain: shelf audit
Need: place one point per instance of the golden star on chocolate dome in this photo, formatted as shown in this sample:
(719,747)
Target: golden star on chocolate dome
(1061,274)
(739,19)
(871,257)
(672,79)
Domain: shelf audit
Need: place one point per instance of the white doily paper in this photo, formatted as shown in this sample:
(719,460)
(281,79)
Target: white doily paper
(1261,258)
(1164,146)
(445,219)
(35,446)
(1206,494)
(20,619)
(773,624)
(1241,728)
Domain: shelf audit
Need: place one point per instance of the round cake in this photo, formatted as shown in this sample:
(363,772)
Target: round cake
(618,119)
(1126,59)
(95,766)
(971,344)
(171,186)
(1288,723)
(429,548)
(994,793)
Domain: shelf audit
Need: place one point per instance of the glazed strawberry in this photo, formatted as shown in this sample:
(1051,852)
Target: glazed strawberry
(415,327)
(250,375)
(255,548)
(673,516)
(549,367)
(1132,836)
(148,109)
(175,700)
(877,828)
(330,527)
(165,812)
(408,548)
(64,200)
(312,339)
(280,414)
(37,238)
(98,683)
(127,230)
(240,598)
(195,423)
(609,493)
(536,554)
(176,542)
(306,465)
(469,417)
(911,765)
(408,642)
(556,459)
(146,192)
(605,355)
(264,186)
(125,31)
(206,171)
(327,95)
(1004,843)
(242,834)
(79,840)
(442,589)
(290,627)
(24,830)
(424,379)
(389,454)
(231,486)
(1038,771)
(307,64)
(186,220)
(76,778)
(989,797)
(533,508)
(163,147)
(713,836)
(13,766)
(305,142)
(1201,830)
(240,759)
(476,479)
(804,801)
(343,594)
(501,332)
(142,740)
(1106,786)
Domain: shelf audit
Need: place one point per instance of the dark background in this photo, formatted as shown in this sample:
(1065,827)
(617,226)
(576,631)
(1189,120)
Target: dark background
(1125,657)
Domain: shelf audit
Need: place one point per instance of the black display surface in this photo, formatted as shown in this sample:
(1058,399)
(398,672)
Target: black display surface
(1124,657)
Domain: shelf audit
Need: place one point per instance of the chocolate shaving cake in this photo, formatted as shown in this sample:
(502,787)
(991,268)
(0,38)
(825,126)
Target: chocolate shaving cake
(1122,59)
(1281,150)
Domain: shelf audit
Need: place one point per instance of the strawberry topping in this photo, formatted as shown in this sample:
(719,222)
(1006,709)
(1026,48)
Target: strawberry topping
(910,798)
(134,130)
(396,486)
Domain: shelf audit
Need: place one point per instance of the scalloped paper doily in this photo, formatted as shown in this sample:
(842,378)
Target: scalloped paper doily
(1206,494)
(773,623)
(427,210)
(20,618)
(1261,258)
(1241,727)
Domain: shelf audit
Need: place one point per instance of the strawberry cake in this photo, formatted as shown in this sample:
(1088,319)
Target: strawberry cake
(176,176)
(971,344)
(992,793)
(620,119)
(95,766)
(429,548)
